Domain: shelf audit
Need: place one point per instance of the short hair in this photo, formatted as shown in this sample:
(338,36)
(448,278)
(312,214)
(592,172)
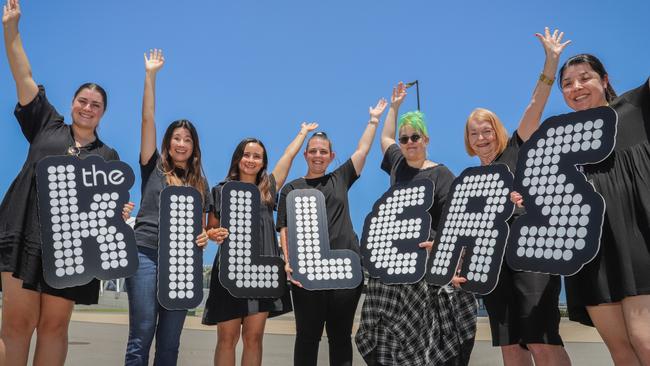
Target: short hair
(500,131)
(414,119)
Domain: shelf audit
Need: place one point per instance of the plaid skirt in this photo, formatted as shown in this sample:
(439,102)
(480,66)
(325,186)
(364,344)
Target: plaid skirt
(415,324)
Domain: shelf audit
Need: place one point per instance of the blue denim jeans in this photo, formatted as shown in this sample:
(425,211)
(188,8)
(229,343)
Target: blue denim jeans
(148,318)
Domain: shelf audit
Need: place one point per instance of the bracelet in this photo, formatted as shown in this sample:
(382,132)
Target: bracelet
(546,80)
(373,122)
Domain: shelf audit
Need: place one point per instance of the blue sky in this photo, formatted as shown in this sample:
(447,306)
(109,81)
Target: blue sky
(259,68)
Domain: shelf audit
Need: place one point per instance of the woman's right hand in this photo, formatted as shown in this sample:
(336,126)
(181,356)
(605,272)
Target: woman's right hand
(287,268)
(552,43)
(154,62)
(517,198)
(399,93)
(11,13)
(218,234)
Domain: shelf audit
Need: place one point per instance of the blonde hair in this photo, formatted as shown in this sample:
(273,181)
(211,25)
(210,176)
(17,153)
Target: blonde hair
(482,114)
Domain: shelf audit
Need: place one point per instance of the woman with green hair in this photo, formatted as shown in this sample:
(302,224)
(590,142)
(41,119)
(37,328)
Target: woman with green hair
(415,324)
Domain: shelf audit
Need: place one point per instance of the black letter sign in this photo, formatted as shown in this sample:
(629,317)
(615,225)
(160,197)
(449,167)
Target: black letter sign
(83,233)
(314,264)
(560,231)
(475,220)
(399,221)
(180,261)
(243,271)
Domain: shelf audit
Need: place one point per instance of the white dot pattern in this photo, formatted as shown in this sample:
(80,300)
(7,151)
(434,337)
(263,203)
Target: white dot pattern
(398,223)
(83,234)
(563,211)
(180,270)
(315,265)
(243,271)
(475,219)
(70,226)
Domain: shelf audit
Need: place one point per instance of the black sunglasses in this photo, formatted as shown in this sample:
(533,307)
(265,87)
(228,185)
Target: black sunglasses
(405,139)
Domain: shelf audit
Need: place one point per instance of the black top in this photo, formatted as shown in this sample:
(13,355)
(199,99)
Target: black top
(334,187)
(20,239)
(153,182)
(509,157)
(268,237)
(395,164)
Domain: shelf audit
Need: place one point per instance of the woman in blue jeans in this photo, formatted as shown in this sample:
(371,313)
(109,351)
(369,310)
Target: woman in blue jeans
(177,164)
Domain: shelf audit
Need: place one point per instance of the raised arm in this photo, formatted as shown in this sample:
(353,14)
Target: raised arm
(26,87)
(152,65)
(360,154)
(553,47)
(283,165)
(390,124)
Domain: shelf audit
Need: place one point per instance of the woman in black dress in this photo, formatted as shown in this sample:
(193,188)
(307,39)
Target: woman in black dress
(28,303)
(332,309)
(246,318)
(523,308)
(415,324)
(612,292)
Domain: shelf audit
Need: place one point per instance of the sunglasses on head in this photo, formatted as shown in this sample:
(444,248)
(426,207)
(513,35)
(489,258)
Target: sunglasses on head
(405,139)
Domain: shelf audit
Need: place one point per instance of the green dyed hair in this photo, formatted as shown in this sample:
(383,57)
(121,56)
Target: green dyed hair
(416,120)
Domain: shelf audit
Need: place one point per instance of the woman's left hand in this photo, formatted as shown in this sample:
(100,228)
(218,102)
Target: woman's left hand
(202,239)
(126,211)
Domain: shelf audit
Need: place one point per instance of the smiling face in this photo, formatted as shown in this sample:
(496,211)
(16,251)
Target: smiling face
(252,161)
(318,156)
(181,146)
(87,108)
(412,150)
(482,138)
(583,88)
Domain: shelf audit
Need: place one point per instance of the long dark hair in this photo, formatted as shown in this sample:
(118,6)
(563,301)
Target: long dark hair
(596,65)
(193,175)
(262,179)
(95,87)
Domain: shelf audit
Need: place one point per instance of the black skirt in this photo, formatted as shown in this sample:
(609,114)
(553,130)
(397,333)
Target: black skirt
(523,308)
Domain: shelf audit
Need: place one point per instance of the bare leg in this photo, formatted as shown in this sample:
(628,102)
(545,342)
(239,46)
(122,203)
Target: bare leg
(549,354)
(610,323)
(52,331)
(515,355)
(227,338)
(20,313)
(252,334)
(636,310)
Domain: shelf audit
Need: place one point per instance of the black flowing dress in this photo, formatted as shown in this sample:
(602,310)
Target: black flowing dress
(221,305)
(622,266)
(20,237)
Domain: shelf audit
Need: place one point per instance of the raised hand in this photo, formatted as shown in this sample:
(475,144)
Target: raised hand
(308,126)
(399,93)
(376,112)
(155,61)
(552,43)
(11,12)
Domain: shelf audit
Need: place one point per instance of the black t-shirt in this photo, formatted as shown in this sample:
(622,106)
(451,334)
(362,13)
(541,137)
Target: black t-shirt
(395,164)
(509,157)
(334,187)
(153,182)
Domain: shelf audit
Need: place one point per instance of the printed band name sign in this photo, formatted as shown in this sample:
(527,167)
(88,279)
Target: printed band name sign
(561,229)
(399,221)
(314,264)
(474,223)
(180,261)
(83,234)
(243,271)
